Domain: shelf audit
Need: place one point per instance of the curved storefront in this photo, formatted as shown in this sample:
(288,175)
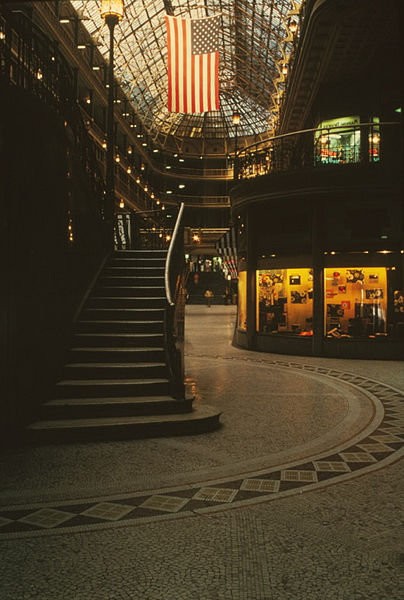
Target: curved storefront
(320,238)
(362,309)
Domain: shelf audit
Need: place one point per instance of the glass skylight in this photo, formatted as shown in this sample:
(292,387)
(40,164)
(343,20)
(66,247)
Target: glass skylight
(252,45)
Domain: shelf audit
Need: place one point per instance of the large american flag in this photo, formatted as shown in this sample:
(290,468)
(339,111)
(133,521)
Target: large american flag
(193,64)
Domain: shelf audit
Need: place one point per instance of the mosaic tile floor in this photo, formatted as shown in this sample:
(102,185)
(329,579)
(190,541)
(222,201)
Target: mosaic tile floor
(381,445)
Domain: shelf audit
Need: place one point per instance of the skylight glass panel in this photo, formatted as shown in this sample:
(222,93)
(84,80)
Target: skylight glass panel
(250,50)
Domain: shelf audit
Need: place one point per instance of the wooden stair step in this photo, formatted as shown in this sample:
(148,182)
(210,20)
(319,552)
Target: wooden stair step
(128,340)
(69,408)
(116,349)
(113,400)
(84,388)
(200,420)
(98,354)
(108,370)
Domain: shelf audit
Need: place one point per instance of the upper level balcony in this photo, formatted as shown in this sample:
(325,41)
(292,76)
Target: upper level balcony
(338,152)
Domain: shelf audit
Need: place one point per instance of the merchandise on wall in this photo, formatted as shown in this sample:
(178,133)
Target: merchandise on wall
(285,301)
(355,302)
(242,301)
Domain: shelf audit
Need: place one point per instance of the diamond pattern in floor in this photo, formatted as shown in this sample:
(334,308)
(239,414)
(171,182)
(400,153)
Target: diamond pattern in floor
(380,447)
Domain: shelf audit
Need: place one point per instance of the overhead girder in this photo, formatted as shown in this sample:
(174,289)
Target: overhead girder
(252,43)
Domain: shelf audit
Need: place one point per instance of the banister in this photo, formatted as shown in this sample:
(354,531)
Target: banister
(170,255)
(265,143)
(306,149)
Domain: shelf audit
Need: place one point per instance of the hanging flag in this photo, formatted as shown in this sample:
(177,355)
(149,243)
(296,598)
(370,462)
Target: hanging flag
(193,64)
(226,246)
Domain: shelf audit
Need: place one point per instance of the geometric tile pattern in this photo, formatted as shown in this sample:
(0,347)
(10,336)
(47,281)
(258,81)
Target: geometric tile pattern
(376,449)
(108,511)
(357,457)
(47,517)
(331,466)
(261,485)
(4,521)
(165,503)
(295,475)
(212,494)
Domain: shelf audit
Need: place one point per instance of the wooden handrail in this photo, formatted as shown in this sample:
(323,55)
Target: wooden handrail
(170,255)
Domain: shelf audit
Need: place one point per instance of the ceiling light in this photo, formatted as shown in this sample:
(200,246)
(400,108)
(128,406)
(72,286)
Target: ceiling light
(293,26)
(235,117)
(112,8)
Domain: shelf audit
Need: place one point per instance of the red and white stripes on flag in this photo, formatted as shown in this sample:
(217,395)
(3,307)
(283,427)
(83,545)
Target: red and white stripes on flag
(226,247)
(193,64)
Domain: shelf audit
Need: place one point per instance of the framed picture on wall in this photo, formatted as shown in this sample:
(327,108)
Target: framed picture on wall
(354,275)
(298,297)
(294,280)
(335,310)
(374,294)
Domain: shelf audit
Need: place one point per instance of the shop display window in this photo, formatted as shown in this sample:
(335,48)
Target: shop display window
(242,301)
(374,141)
(337,141)
(285,301)
(356,302)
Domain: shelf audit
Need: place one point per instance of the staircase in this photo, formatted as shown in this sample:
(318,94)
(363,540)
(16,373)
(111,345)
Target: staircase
(117,382)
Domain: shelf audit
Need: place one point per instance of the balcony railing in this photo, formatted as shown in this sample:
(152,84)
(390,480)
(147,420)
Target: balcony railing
(362,143)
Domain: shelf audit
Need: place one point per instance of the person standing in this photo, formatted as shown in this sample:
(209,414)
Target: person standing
(209,296)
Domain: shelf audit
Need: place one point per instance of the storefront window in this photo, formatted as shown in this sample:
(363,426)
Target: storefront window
(374,141)
(285,301)
(337,141)
(242,300)
(356,302)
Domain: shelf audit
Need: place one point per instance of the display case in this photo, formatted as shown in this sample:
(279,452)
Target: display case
(284,301)
(242,301)
(338,141)
(356,302)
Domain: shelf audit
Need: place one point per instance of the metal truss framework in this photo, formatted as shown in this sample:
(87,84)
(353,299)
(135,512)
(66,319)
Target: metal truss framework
(255,43)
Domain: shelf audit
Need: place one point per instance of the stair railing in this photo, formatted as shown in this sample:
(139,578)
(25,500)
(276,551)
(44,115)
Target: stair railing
(175,276)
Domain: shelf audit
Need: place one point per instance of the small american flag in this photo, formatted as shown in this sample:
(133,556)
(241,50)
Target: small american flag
(193,64)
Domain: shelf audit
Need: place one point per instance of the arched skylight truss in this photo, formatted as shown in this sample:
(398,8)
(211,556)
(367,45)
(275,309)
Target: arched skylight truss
(252,45)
